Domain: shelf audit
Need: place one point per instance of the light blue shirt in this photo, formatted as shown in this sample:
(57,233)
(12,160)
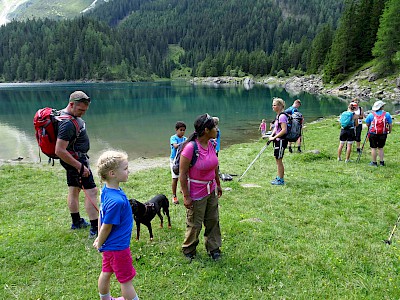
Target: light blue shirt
(175,140)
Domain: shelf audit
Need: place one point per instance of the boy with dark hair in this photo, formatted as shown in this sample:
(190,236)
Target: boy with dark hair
(174,142)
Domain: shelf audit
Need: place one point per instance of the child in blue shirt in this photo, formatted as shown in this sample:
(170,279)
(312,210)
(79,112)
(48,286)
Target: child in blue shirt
(174,142)
(115,228)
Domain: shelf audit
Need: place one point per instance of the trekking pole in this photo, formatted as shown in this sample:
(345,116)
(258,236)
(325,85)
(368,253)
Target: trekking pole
(258,155)
(362,148)
(302,139)
(389,240)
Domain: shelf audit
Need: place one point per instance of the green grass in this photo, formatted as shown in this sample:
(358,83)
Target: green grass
(318,237)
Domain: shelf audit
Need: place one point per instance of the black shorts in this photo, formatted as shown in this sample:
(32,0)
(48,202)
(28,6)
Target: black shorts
(73,178)
(358,133)
(377,140)
(279,148)
(347,135)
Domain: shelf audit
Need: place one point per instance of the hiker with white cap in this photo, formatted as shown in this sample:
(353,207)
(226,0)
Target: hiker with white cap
(379,124)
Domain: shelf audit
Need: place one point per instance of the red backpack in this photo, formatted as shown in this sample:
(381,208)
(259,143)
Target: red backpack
(378,124)
(45,123)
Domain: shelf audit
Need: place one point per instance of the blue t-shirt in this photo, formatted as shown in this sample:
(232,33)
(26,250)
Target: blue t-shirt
(370,118)
(116,210)
(290,110)
(218,141)
(175,140)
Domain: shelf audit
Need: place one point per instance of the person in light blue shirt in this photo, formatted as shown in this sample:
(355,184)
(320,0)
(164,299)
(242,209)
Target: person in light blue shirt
(174,142)
(379,124)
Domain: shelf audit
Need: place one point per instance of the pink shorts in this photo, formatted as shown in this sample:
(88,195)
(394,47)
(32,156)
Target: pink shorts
(119,263)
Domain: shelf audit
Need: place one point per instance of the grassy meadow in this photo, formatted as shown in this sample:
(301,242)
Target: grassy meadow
(318,237)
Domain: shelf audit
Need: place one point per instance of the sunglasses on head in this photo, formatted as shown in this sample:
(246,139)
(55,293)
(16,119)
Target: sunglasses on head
(208,117)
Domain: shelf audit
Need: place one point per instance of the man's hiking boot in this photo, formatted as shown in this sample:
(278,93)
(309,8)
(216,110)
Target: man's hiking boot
(175,200)
(382,163)
(92,233)
(373,164)
(347,161)
(339,159)
(278,181)
(290,150)
(81,224)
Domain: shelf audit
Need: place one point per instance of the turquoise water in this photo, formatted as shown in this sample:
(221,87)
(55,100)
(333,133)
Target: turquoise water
(139,118)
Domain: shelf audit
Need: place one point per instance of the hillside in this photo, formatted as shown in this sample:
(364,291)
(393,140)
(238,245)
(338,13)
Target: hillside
(55,9)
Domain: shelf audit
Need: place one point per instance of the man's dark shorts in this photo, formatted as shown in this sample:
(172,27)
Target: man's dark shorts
(358,133)
(347,135)
(73,178)
(377,140)
(279,148)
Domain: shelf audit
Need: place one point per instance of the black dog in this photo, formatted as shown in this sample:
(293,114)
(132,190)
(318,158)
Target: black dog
(144,213)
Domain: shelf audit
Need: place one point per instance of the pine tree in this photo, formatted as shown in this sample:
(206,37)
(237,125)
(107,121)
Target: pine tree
(387,46)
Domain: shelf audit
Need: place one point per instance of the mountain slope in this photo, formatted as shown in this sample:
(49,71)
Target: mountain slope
(55,9)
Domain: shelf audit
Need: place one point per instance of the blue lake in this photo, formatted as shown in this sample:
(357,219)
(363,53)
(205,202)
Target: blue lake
(139,118)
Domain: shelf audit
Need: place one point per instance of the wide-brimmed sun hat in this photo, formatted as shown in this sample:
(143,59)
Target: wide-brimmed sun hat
(378,105)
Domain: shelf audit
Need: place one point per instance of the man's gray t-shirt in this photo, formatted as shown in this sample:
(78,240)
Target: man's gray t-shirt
(67,132)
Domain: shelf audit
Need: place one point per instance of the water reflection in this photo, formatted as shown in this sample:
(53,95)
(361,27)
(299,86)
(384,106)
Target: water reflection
(140,117)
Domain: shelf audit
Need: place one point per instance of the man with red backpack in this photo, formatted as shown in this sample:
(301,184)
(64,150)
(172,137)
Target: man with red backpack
(379,124)
(71,147)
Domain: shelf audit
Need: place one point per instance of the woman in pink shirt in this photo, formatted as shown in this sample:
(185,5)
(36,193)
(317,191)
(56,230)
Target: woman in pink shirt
(201,189)
(278,138)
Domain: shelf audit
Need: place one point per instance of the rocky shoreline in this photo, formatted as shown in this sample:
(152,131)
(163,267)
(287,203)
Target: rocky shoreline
(363,85)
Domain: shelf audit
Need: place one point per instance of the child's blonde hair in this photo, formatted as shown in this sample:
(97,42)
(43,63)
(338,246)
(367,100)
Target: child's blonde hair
(109,160)
(279,101)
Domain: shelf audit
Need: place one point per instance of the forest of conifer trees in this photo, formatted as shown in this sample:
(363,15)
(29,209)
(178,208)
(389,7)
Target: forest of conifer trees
(129,40)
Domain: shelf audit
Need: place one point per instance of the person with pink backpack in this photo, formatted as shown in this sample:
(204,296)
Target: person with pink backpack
(379,124)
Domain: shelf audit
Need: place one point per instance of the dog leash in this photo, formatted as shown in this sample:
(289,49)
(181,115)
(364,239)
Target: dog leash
(86,194)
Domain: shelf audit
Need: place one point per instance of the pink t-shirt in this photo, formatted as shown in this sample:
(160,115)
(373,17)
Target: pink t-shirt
(203,169)
(282,119)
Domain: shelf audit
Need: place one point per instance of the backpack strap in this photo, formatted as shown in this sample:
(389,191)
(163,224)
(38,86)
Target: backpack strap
(195,153)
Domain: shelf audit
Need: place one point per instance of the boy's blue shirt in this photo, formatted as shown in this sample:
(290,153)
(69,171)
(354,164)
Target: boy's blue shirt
(175,140)
(116,210)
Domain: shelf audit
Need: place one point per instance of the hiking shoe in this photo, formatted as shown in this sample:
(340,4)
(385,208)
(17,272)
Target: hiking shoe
(278,181)
(339,159)
(82,224)
(190,256)
(175,200)
(92,233)
(290,150)
(215,255)
(119,298)
(373,164)
(347,161)
(382,163)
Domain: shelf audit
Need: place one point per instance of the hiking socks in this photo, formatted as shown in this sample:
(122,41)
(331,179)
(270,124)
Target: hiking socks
(105,296)
(290,149)
(299,149)
(94,225)
(382,163)
(358,150)
(76,219)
